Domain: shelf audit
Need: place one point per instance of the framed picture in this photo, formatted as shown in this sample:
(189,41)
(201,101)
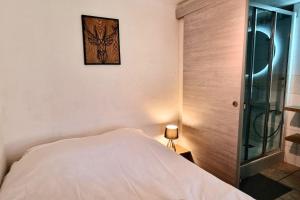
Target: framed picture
(101,40)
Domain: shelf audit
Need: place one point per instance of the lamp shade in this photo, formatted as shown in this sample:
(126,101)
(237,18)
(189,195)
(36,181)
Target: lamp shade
(171,132)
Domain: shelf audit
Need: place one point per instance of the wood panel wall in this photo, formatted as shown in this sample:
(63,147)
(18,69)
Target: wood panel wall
(214,46)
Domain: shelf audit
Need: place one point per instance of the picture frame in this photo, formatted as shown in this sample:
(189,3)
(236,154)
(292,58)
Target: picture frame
(101,40)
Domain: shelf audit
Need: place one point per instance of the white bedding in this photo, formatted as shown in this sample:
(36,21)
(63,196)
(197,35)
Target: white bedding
(122,164)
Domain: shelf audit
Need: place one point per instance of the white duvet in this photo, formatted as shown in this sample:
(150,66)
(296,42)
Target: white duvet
(122,164)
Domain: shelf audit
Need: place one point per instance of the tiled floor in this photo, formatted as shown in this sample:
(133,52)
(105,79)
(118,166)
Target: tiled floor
(288,175)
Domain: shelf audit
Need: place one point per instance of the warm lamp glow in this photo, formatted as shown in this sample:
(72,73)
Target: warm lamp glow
(171,126)
(171,133)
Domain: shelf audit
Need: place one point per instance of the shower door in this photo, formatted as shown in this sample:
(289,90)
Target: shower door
(265,82)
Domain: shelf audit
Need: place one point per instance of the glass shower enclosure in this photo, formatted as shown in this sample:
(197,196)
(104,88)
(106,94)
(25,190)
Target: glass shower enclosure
(268,42)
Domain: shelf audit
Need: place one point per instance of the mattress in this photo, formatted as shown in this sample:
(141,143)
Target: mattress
(121,164)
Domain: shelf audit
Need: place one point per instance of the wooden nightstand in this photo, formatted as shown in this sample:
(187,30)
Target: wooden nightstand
(184,152)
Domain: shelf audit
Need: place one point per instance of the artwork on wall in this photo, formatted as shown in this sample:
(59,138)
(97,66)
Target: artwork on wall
(101,40)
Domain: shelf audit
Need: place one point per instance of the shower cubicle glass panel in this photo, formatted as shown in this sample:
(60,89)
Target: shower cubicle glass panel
(265,81)
(278,80)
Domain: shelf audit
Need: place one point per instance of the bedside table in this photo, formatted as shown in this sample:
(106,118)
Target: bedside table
(184,152)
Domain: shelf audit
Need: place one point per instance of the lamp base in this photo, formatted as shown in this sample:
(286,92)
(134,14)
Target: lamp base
(171,145)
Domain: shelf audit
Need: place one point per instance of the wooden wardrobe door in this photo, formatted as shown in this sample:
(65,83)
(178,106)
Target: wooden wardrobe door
(214,42)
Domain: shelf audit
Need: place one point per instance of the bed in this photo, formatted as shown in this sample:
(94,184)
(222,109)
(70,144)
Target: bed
(121,164)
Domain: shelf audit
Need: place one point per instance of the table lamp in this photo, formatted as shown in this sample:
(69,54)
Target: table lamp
(171,133)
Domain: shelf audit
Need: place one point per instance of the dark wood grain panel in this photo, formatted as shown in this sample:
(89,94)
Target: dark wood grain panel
(293,138)
(293,108)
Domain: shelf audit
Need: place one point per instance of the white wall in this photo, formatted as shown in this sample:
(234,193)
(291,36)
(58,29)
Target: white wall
(2,160)
(46,91)
(292,151)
